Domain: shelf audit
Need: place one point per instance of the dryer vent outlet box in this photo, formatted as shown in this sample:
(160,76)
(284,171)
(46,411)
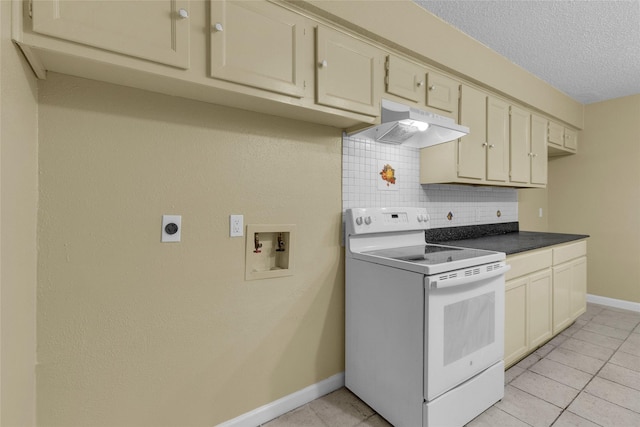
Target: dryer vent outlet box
(270,251)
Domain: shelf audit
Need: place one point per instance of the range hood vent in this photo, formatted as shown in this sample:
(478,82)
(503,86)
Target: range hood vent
(402,124)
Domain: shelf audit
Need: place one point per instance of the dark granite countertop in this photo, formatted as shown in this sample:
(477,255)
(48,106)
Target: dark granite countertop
(498,237)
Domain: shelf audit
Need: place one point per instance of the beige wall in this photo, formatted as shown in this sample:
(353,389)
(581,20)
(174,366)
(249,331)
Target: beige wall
(530,201)
(597,192)
(18,206)
(135,332)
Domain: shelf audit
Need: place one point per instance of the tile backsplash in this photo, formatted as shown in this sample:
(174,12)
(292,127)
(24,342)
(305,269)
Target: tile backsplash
(363,185)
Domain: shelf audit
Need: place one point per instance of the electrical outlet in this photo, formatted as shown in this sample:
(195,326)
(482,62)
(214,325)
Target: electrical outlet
(171,228)
(236,225)
(540,212)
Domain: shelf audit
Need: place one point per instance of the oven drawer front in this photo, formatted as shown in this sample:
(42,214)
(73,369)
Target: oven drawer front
(465,331)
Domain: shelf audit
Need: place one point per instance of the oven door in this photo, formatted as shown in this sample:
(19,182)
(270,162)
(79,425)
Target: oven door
(464,327)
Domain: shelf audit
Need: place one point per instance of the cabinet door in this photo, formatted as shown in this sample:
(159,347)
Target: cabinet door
(154,30)
(555,135)
(405,79)
(519,148)
(570,139)
(442,92)
(498,139)
(257,44)
(347,72)
(538,150)
(539,303)
(515,320)
(562,284)
(578,298)
(472,151)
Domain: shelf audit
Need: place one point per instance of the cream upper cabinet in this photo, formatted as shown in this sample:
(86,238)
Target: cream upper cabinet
(472,148)
(528,148)
(153,30)
(561,140)
(442,92)
(538,156)
(258,44)
(405,79)
(497,139)
(520,145)
(482,156)
(347,72)
(570,139)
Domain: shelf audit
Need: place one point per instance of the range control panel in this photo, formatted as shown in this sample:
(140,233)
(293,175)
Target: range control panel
(382,220)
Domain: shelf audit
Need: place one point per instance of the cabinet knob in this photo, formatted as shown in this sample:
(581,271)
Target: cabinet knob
(484,144)
(183,13)
(432,87)
(492,145)
(421,83)
(534,154)
(218,27)
(324,63)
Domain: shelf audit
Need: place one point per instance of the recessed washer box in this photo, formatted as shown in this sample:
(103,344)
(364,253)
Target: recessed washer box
(270,251)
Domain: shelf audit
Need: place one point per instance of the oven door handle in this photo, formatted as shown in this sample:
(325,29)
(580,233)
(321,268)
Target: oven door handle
(469,279)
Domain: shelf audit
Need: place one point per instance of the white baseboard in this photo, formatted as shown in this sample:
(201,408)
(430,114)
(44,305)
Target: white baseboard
(281,406)
(612,302)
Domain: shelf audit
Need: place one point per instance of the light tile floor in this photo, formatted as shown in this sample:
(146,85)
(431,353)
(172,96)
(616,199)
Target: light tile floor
(589,375)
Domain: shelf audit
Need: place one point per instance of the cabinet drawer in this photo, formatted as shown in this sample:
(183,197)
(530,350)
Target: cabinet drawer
(528,263)
(569,252)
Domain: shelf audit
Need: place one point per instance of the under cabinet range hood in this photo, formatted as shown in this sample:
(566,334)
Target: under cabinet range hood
(402,124)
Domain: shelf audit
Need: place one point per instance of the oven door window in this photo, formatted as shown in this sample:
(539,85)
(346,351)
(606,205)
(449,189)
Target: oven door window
(464,333)
(469,325)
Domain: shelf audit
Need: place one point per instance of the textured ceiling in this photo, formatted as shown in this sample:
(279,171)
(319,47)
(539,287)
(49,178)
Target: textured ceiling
(588,49)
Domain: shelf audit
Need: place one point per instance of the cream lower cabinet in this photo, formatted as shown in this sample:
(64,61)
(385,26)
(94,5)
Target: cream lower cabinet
(569,284)
(528,304)
(154,30)
(545,292)
(348,72)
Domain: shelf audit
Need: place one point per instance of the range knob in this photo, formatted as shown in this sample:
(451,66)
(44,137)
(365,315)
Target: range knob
(367,220)
(425,218)
(359,220)
(419,218)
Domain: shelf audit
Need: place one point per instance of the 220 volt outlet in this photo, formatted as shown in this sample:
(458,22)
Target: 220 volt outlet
(171,228)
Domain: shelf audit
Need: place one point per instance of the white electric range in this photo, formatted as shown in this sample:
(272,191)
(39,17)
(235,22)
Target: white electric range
(424,323)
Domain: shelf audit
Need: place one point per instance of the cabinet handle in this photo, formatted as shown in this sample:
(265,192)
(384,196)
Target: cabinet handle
(421,83)
(432,87)
(183,13)
(324,63)
(218,27)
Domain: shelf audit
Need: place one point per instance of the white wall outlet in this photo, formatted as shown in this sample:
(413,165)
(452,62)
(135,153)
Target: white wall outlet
(236,225)
(171,228)
(540,213)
